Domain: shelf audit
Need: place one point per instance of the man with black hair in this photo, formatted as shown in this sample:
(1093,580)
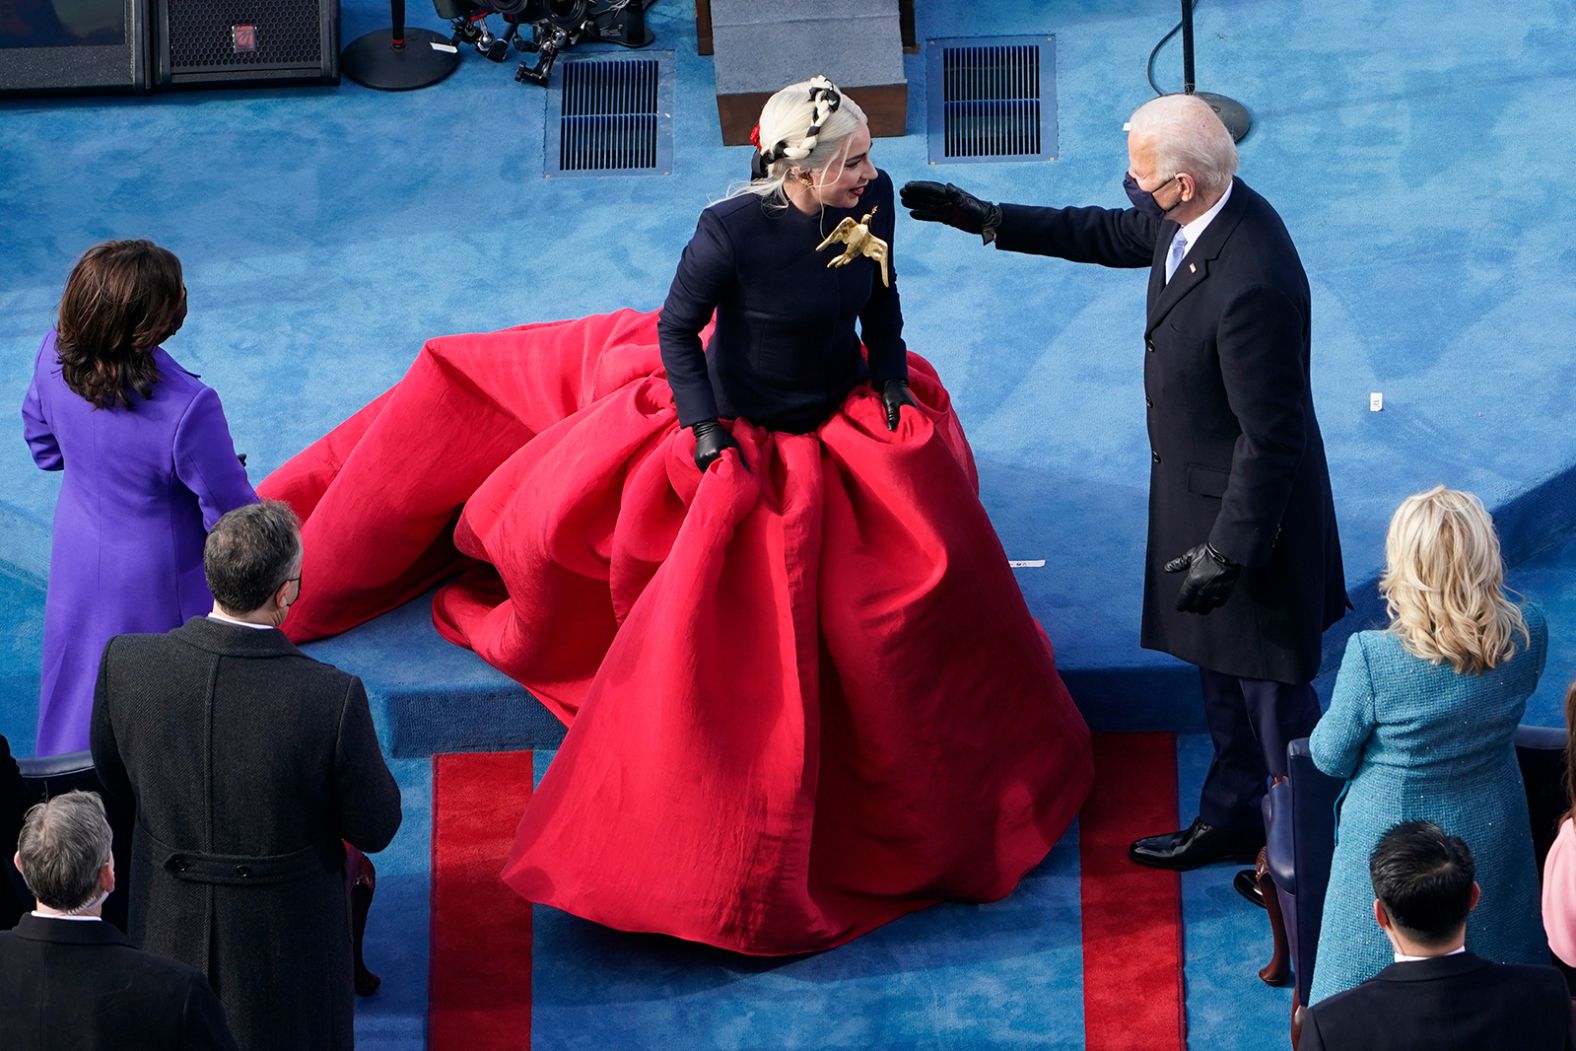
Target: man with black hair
(1437,996)
(251,765)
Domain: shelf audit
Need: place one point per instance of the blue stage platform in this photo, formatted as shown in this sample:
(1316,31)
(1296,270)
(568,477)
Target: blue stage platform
(1412,150)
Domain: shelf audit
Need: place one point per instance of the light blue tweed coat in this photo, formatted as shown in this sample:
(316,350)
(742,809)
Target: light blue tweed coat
(1419,741)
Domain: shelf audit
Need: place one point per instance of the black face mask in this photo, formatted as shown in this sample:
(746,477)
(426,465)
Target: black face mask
(1144,200)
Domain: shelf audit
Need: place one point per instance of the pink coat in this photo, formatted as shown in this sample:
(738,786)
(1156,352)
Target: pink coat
(1559,894)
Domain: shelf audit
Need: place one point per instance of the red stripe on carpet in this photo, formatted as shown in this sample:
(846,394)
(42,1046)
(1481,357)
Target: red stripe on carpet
(1132,916)
(479,977)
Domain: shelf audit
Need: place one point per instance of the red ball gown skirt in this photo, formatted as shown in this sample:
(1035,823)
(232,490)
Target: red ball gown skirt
(804,695)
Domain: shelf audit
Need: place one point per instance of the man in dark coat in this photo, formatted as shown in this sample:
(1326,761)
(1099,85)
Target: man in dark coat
(251,766)
(1243,571)
(13,804)
(1437,996)
(69,981)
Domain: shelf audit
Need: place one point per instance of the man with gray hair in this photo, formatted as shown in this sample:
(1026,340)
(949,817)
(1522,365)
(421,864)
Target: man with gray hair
(251,766)
(69,980)
(1243,571)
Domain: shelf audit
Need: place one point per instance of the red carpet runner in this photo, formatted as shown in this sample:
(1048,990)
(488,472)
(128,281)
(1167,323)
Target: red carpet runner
(1132,916)
(480,969)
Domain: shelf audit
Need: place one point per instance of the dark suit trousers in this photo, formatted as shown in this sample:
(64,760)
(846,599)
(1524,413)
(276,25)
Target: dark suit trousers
(1250,721)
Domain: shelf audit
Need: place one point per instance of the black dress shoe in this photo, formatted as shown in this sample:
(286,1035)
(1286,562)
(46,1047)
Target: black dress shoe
(1196,846)
(1246,883)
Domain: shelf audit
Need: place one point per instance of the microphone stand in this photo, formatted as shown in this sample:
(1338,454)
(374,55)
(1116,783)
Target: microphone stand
(398,59)
(1233,114)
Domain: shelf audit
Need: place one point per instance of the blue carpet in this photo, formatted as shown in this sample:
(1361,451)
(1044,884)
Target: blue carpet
(1418,149)
(1415,149)
(436,697)
(1002,975)
(395,1017)
(1550,579)
(1226,941)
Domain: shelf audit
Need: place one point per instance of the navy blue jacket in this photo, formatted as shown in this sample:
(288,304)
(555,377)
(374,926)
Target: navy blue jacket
(14,802)
(784,353)
(1236,454)
(1442,1004)
(76,985)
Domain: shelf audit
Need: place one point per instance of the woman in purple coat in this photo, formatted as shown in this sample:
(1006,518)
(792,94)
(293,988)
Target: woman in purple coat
(149,467)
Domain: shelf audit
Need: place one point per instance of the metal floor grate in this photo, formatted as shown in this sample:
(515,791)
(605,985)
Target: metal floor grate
(992,98)
(611,115)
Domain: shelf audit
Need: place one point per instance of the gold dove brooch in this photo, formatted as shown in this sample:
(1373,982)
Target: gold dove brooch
(857,240)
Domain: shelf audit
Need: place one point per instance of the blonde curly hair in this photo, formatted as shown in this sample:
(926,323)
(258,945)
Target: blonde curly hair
(1444,582)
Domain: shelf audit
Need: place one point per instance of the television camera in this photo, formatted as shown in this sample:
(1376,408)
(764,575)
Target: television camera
(554,25)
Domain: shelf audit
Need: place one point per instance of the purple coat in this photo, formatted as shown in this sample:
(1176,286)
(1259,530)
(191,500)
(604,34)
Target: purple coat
(143,487)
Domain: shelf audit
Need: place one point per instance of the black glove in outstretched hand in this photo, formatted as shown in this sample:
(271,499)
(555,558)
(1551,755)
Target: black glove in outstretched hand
(894,395)
(934,202)
(711,438)
(1210,578)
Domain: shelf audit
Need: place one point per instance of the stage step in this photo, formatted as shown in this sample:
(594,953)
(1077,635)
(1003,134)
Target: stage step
(858,44)
(431,697)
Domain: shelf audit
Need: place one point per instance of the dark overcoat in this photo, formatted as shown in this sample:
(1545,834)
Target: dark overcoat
(250,765)
(1442,1003)
(13,804)
(1236,454)
(80,985)
(784,352)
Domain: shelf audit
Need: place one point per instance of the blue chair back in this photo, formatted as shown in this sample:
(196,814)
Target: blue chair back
(1312,795)
(1307,840)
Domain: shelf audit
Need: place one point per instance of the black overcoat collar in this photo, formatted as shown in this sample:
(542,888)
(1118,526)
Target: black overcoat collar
(1164,295)
(1433,968)
(69,932)
(233,640)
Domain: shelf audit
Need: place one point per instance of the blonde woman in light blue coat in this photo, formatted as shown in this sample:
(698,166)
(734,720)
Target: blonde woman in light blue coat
(1422,723)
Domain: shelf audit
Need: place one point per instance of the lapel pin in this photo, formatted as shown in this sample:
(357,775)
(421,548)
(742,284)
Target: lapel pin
(1192,269)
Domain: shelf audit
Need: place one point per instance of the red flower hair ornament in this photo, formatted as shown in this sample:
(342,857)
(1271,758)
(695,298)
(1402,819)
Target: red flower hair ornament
(755,136)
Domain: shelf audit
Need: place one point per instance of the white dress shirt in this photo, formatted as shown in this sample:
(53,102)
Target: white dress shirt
(1402,957)
(1188,235)
(216,615)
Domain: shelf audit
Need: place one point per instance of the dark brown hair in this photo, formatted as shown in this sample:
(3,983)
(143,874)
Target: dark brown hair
(119,303)
(1570,749)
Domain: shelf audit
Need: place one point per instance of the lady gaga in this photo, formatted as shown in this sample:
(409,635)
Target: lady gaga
(804,695)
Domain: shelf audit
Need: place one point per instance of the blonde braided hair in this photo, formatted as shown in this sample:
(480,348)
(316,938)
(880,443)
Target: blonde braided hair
(826,100)
(833,118)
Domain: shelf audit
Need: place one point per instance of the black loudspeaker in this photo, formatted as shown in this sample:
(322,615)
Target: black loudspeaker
(214,43)
(51,47)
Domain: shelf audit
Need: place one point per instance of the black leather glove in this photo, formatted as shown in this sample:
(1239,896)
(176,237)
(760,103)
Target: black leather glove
(894,395)
(934,202)
(711,438)
(1210,578)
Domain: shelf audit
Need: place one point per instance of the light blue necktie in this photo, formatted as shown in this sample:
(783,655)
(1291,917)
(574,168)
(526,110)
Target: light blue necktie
(1174,260)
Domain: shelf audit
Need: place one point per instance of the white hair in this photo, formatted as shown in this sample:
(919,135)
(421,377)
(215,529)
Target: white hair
(805,127)
(1187,137)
